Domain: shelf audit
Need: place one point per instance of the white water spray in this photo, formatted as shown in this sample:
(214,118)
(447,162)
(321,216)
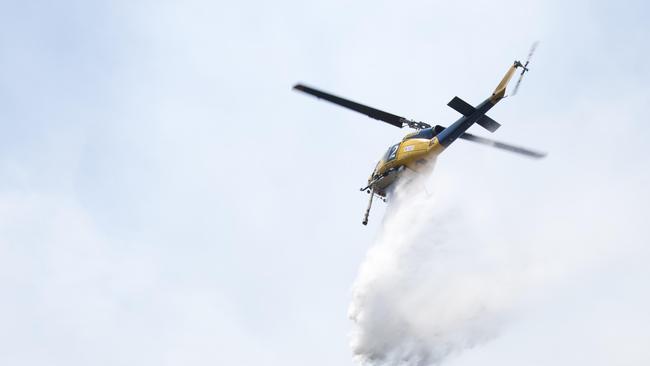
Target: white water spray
(429,288)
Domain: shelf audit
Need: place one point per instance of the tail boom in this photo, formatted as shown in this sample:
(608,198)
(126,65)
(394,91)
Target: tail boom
(476,114)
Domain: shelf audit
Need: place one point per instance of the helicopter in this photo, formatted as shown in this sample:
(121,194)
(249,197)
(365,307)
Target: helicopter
(418,150)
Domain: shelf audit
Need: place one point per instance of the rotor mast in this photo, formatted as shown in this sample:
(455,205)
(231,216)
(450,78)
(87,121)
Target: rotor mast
(414,124)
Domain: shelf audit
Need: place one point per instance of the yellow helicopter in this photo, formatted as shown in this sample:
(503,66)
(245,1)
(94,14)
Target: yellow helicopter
(419,149)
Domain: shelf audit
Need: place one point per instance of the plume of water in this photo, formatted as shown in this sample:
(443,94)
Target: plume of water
(428,287)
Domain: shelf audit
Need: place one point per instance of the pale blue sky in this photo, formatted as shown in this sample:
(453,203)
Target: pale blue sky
(166,199)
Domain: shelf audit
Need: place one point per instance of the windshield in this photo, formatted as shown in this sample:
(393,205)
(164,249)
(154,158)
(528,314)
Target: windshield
(391,154)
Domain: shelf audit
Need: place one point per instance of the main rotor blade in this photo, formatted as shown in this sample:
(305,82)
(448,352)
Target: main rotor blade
(504,146)
(390,118)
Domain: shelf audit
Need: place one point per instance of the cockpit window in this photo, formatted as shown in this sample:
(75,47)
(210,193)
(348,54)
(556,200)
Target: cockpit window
(391,154)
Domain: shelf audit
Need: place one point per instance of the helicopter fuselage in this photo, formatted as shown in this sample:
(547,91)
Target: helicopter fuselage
(417,154)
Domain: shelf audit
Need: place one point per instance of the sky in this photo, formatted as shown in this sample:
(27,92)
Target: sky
(167,199)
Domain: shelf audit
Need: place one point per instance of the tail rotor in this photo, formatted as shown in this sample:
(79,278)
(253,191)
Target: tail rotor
(524,67)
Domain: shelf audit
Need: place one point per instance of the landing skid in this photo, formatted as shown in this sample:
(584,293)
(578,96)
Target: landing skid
(378,187)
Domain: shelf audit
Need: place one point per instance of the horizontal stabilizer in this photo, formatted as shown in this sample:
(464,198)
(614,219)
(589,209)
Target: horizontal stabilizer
(461,106)
(466,110)
(488,123)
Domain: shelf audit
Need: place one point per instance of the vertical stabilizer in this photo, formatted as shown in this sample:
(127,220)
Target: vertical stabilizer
(500,91)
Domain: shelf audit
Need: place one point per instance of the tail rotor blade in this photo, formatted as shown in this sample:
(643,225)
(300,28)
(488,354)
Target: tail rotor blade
(530,54)
(514,92)
(525,68)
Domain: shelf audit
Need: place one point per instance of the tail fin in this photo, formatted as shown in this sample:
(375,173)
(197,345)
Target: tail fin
(488,123)
(500,91)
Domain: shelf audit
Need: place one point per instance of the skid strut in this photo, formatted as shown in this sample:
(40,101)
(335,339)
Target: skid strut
(365,216)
